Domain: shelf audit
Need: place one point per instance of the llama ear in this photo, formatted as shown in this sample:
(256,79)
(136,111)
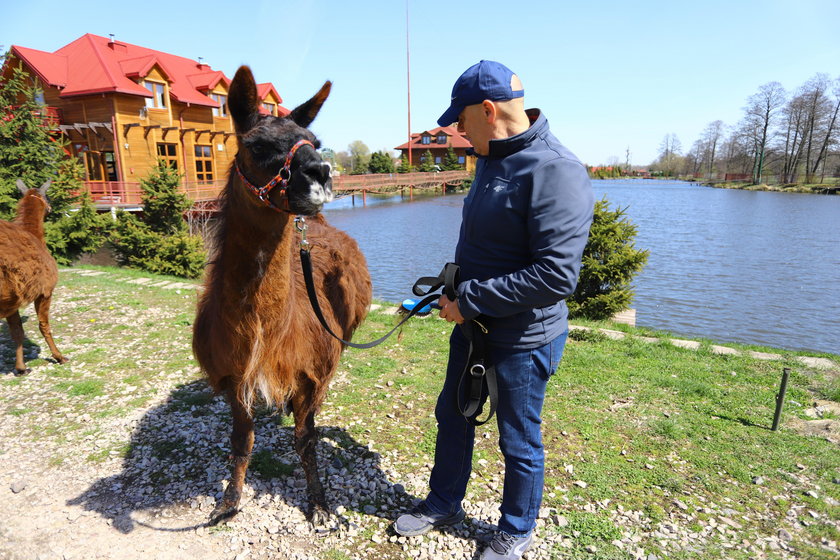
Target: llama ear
(305,113)
(43,188)
(242,100)
(21,186)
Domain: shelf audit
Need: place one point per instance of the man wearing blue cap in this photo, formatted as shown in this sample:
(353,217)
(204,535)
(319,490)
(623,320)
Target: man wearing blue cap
(524,226)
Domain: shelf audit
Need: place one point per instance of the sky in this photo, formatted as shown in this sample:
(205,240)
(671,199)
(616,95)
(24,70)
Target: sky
(611,76)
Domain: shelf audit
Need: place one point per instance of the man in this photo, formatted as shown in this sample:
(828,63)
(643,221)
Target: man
(524,226)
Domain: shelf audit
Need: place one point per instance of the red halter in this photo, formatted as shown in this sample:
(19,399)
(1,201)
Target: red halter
(282,179)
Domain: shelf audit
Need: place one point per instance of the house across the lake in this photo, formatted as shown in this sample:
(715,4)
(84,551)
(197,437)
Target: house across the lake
(438,141)
(122,106)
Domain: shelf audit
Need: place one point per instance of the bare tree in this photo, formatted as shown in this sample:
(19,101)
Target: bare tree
(669,154)
(829,131)
(761,111)
(817,106)
(794,127)
(711,138)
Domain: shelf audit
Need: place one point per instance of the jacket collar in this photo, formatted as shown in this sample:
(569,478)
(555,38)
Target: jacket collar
(505,146)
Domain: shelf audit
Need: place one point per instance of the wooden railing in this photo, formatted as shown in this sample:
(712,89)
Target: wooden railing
(128,193)
(388,181)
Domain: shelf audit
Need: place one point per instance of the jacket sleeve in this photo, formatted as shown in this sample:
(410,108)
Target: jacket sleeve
(558,220)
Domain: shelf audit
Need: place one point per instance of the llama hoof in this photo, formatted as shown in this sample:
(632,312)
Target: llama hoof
(222,512)
(22,372)
(61,360)
(323,521)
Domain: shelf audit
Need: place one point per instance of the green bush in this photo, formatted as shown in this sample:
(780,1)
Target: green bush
(160,242)
(610,260)
(83,230)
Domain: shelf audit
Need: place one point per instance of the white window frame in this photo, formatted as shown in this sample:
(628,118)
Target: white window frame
(158,91)
(221,110)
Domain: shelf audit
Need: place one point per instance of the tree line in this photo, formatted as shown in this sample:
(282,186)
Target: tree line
(783,136)
(357,159)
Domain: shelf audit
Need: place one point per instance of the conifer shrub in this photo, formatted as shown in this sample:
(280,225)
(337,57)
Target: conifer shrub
(160,241)
(610,261)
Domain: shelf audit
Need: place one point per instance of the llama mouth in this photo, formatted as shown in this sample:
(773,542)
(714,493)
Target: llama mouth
(320,194)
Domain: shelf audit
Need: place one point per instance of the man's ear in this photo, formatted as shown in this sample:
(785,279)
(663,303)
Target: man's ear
(490,111)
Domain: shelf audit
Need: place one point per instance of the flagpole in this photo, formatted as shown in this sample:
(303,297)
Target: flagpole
(408,81)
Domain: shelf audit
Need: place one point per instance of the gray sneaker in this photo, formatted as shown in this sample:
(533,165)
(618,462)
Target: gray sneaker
(421,520)
(507,547)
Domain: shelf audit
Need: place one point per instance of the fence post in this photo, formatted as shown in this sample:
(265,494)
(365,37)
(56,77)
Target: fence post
(780,398)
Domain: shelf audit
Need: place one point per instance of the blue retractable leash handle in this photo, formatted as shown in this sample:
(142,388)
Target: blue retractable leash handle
(409,304)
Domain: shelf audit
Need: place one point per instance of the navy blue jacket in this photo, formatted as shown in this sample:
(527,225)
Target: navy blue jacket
(525,224)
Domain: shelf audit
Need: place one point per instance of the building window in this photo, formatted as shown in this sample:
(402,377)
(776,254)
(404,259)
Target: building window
(158,99)
(462,160)
(169,154)
(437,159)
(426,139)
(269,107)
(221,110)
(203,163)
(441,139)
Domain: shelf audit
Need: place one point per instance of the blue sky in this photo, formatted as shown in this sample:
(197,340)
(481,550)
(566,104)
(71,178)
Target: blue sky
(609,75)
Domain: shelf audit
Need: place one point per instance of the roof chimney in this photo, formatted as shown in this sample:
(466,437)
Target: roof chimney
(111,35)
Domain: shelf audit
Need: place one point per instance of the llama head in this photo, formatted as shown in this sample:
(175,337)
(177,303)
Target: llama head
(40,193)
(265,142)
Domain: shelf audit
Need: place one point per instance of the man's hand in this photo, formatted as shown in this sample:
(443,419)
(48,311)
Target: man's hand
(449,310)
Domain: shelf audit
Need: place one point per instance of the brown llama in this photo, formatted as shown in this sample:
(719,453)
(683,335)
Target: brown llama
(255,334)
(28,272)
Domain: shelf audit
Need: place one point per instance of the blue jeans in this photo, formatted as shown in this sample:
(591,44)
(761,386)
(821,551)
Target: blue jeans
(522,378)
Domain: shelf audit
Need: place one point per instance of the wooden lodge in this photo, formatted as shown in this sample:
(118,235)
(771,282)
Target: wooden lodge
(438,141)
(122,106)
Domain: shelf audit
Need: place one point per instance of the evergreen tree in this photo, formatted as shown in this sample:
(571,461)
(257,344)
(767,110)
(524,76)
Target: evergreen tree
(159,242)
(450,161)
(427,162)
(610,260)
(27,149)
(30,151)
(404,167)
(163,203)
(381,162)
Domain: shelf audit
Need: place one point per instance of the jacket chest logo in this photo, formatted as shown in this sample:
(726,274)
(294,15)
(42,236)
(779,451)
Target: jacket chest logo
(499,188)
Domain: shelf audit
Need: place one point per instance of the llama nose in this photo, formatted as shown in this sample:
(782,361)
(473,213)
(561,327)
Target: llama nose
(325,171)
(318,172)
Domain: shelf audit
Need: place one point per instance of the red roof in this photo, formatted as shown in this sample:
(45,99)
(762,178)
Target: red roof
(94,64)
(455,139)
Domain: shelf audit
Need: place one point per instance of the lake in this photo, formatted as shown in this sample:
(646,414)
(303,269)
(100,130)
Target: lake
(727,265)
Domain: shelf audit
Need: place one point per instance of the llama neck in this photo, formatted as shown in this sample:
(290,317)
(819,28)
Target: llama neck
(253,255)
(30,216)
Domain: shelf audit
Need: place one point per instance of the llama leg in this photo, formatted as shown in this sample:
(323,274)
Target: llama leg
(16,330)
(42,308)
(242,442)
(306,440)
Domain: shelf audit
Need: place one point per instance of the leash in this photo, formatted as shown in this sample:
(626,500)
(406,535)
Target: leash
(309,280)
(478,380)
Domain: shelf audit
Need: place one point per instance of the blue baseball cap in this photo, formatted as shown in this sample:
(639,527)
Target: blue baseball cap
(485,80)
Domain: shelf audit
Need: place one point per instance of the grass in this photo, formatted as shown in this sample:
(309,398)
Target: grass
(642,424)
